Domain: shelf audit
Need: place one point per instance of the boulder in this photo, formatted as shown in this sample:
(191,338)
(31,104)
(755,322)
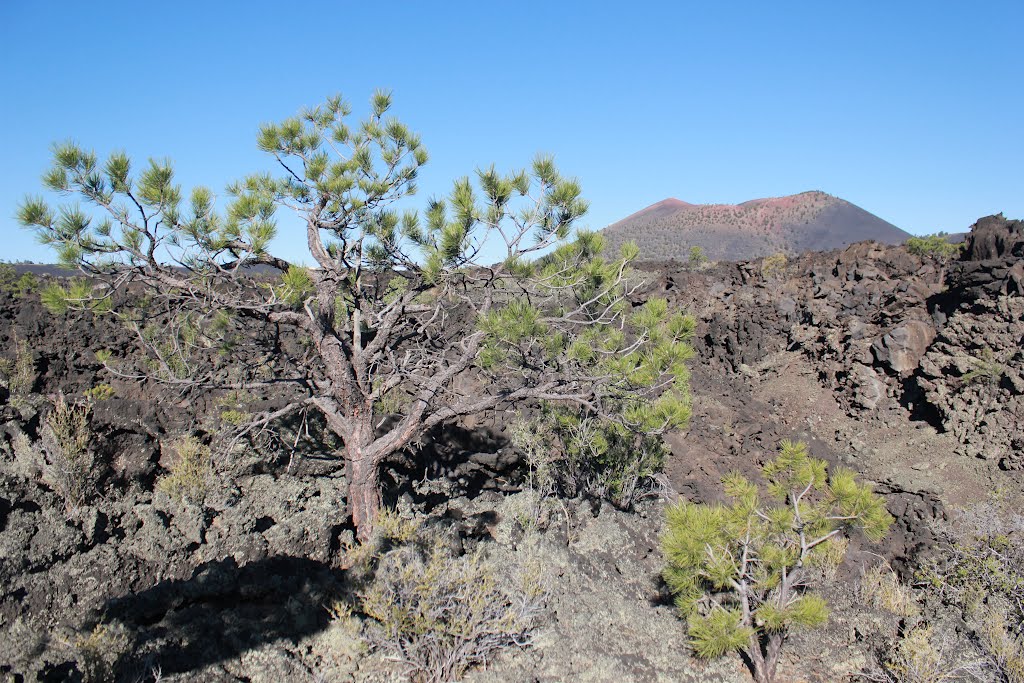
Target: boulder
(902,348)
(869,390)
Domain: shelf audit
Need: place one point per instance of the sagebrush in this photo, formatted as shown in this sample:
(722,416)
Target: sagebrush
(980,570)
(440,613)
(190,473)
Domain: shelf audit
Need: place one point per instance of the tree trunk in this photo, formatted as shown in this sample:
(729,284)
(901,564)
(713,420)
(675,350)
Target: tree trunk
(363,492)
(764,653)
(772,656)
(758,665)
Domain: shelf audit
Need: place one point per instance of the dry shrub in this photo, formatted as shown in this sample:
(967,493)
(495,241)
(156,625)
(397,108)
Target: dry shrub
(439,613)
(882,589)
(61,457)
(29,459)
(343,637)
(828,557)
(70,465)
(981,572)
(189,478)
(20,372)
(101,653)
(1004,650)
(923,657)
(396,529)
(774,266)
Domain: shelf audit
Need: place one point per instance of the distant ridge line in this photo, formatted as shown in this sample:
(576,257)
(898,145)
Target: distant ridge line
(808,221)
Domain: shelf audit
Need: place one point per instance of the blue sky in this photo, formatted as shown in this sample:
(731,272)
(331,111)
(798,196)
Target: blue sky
(910,110)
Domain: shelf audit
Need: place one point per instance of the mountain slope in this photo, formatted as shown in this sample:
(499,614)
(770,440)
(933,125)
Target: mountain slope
(809,221)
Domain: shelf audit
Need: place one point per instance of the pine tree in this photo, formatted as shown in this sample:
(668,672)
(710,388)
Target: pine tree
(740,572)
(399,310)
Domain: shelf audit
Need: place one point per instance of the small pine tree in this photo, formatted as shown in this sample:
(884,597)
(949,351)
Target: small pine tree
(740,571)
(697,256)
(399,308)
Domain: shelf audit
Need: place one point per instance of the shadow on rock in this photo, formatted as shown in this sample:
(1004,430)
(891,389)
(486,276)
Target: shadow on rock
(472,459)
(224,610)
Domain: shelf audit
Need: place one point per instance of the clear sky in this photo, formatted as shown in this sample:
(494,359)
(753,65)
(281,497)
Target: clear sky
(912,110)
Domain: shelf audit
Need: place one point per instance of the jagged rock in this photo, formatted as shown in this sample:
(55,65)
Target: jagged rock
(869,389)
(857,329)
(973,377)
(994,237)
(991,263)
(786,307)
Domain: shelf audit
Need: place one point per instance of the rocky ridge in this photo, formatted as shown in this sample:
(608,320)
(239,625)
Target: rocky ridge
(889,333)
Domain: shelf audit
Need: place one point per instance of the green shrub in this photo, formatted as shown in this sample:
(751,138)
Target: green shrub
(934,246)
(739,571)
(189,477)
(100,392)
(235,418)
(572,456)
(12,283)
(774,266)
(697,257)
(8,275)
(22,286)
(986,368)
(233,408)
(392,401)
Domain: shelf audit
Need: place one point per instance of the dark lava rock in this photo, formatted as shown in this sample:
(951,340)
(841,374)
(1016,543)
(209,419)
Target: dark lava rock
(902,348)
